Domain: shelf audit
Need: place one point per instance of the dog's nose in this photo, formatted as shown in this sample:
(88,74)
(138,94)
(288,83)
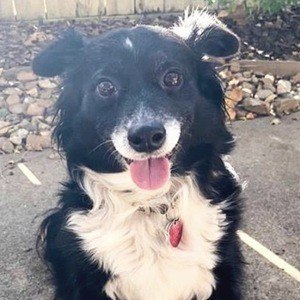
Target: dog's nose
(147,137)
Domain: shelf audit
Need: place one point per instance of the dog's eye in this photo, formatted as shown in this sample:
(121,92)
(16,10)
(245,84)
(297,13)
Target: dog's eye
(106,88)
(173,79)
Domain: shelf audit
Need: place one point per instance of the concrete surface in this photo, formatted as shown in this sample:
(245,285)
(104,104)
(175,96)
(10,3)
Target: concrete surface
(267,157)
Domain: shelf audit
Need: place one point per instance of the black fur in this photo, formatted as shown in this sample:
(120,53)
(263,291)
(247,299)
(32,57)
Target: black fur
(85,122)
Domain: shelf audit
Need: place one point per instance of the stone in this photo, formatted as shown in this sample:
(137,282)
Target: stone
(4,127)
(247,93)
(11,90)
(11,74)
(7,146)
(247,74)
(268,84)
(36,142)
(45,103)
(2,102)
(35,109)
(296,78)
(46,84)
(263,94)
(248,86)
(19,108)
(275,121)
(235,67)
(271,98)
(13,118)
(250,116)
(30,85)
(16,140)
(3,113)
(283,87)
(33,92)
(286,105)
(13,99)
(25,76)
(241,113)
(17,137)
(256,106)
(270,78)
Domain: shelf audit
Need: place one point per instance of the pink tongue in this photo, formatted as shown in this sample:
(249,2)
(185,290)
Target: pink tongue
(150,174)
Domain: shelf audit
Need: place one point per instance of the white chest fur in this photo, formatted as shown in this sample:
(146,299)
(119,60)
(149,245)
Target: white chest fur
(133,245)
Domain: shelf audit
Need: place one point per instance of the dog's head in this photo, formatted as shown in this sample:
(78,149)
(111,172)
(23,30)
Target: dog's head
(141,98)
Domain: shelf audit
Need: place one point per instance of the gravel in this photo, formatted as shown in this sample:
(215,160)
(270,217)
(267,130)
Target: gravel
(27,101)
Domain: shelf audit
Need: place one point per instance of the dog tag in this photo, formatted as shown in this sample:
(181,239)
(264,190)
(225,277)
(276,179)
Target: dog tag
(175,232)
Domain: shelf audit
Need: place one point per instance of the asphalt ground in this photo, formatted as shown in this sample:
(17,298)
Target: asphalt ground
(267,157)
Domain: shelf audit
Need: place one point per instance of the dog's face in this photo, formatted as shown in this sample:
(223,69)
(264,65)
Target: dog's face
(141,98)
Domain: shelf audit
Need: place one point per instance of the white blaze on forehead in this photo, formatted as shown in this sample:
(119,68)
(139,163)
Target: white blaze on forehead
(128,43)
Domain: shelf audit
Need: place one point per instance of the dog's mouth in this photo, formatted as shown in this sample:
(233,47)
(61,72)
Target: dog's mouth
(151,173)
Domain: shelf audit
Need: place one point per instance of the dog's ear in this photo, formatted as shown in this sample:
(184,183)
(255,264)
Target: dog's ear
(205,34)
(60,55)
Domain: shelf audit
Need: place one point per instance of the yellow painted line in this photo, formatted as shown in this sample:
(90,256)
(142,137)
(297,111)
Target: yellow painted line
(269,255)
(32,178)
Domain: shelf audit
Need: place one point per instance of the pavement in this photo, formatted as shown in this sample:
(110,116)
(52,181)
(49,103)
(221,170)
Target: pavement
(267,157)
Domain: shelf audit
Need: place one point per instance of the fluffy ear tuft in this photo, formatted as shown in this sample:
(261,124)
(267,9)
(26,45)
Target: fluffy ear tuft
(205,34)
(59,55)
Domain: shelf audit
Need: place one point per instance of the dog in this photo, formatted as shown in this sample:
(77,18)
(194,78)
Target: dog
(151,207)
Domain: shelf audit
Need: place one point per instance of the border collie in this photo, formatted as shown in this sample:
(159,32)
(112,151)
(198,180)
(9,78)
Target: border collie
(151,209)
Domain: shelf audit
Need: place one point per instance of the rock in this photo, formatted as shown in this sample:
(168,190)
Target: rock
(270,78)
(25,76)
(17,137)
(13,99)
(263,94)
(287,105)
(19,108)
(6,145)
(270,98)
(231,113)
(46,84)
(257,106)
(296,78)
(11,74)
(45,103)
(283,87)
(248,86)
(10,90)
(29,100)
(247,74)
(33,92)
(275,121)
(4,127)
(223,14)
(38,142)
(1,71)
(250,116)
(247,93)
(235,67)
(35,109)
(3,113)
(2,102)
(268,84)
(30,85)
(241,113)
(13,118)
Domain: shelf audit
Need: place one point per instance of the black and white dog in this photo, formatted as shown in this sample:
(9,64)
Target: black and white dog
(151,209)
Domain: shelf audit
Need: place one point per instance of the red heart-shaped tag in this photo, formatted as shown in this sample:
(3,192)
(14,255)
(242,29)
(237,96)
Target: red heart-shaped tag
(175,233)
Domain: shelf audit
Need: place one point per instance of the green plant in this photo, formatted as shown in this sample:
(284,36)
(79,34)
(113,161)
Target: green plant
(255,6)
